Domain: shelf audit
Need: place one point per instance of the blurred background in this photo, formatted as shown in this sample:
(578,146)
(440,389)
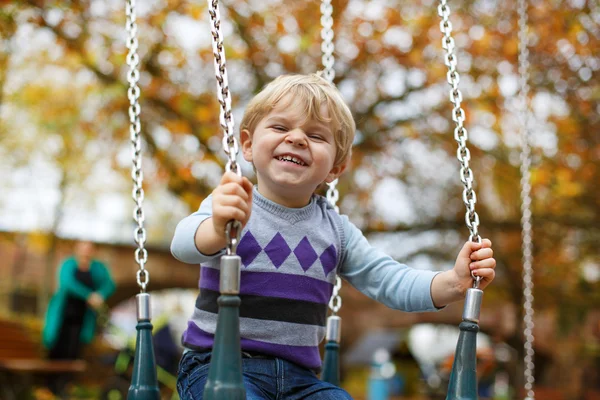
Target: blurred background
(65,162)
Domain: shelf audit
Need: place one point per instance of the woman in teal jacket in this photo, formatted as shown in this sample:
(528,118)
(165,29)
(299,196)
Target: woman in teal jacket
(84,284)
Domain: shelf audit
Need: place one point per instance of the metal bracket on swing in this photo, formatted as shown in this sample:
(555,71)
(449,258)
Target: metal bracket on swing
(142,306)
(230,271)
(472,306)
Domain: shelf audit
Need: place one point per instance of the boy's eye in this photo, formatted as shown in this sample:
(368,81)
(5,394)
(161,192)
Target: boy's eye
(280,128)
(316,137)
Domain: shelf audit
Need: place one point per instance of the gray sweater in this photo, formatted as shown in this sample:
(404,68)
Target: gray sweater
(290,257)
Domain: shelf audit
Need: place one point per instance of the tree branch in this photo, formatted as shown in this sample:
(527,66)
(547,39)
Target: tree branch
(164,108)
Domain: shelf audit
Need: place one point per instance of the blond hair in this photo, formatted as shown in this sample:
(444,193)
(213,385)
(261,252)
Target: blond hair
(312,91)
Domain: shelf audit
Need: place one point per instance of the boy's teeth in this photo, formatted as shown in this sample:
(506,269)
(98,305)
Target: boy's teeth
(292,159)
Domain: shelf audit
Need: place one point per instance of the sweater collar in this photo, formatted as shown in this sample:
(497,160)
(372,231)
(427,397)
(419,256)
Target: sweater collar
(291,214)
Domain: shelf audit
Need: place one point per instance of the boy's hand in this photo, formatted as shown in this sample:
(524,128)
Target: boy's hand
(477,258)
(232,199)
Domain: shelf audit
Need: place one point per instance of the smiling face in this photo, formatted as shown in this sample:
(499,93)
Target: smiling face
(292,153)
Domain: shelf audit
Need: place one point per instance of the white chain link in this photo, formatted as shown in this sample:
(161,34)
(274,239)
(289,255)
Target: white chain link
(335,303)
(327,48)
(526,202)
(460,132)
(333,195)
(230,144)
(133,93)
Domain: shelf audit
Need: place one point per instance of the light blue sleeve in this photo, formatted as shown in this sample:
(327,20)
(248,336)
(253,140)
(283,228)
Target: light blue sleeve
(183,245)
(382,278)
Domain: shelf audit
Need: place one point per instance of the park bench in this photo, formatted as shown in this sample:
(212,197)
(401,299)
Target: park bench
(22,364)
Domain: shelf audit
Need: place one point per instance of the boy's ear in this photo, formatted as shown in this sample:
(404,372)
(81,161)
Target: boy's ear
(336,172)
(246,140)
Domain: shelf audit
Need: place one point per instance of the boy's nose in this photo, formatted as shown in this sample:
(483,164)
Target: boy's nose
(296,138)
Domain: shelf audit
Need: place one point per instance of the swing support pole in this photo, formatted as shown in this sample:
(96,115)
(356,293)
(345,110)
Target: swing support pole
(225,379)
(331,362)
(463,378)
(144,383)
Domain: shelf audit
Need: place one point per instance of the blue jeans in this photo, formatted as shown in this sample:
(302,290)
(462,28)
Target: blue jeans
(264,378)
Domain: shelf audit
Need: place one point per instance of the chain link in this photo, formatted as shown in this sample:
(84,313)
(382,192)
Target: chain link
(460,132)
(333,195)
(230,144)
(523,107)
(135,128)
(335,302)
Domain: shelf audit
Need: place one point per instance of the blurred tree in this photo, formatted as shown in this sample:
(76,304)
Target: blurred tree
(63,76)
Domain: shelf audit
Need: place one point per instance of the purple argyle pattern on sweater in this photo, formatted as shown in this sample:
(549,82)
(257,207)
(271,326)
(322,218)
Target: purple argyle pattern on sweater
(305,254)
(328,259)
(278,251)
(248,249)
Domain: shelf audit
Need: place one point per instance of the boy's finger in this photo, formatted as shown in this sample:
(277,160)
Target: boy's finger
(487,274)
(247,185)
(468,248)
(235,201)
(230,176)
(486,243)
(465,252)
(234,188)
(487,263)
(232,213)
(482,253)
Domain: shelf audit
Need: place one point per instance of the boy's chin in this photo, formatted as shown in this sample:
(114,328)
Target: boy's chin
(289,190)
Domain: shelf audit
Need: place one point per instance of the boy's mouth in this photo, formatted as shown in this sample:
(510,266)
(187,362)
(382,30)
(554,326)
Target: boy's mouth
(291,158)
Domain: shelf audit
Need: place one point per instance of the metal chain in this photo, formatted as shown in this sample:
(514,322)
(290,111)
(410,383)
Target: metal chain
(460,132)
(230,144)
(526,201)
(327,48)
(133,93)
(333,195)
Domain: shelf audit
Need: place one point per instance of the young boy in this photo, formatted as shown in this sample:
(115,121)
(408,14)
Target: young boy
(297,133)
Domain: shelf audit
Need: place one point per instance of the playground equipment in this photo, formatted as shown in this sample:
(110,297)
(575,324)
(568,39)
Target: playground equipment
(225,376)
(144,384)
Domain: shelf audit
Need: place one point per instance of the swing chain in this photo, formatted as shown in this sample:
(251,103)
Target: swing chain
(230,145)
(460,132)
(333,195)
(327,48)
(526,201)
(133,94)
(335,302)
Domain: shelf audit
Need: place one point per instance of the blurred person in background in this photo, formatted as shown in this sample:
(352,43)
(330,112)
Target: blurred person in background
(84,284)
